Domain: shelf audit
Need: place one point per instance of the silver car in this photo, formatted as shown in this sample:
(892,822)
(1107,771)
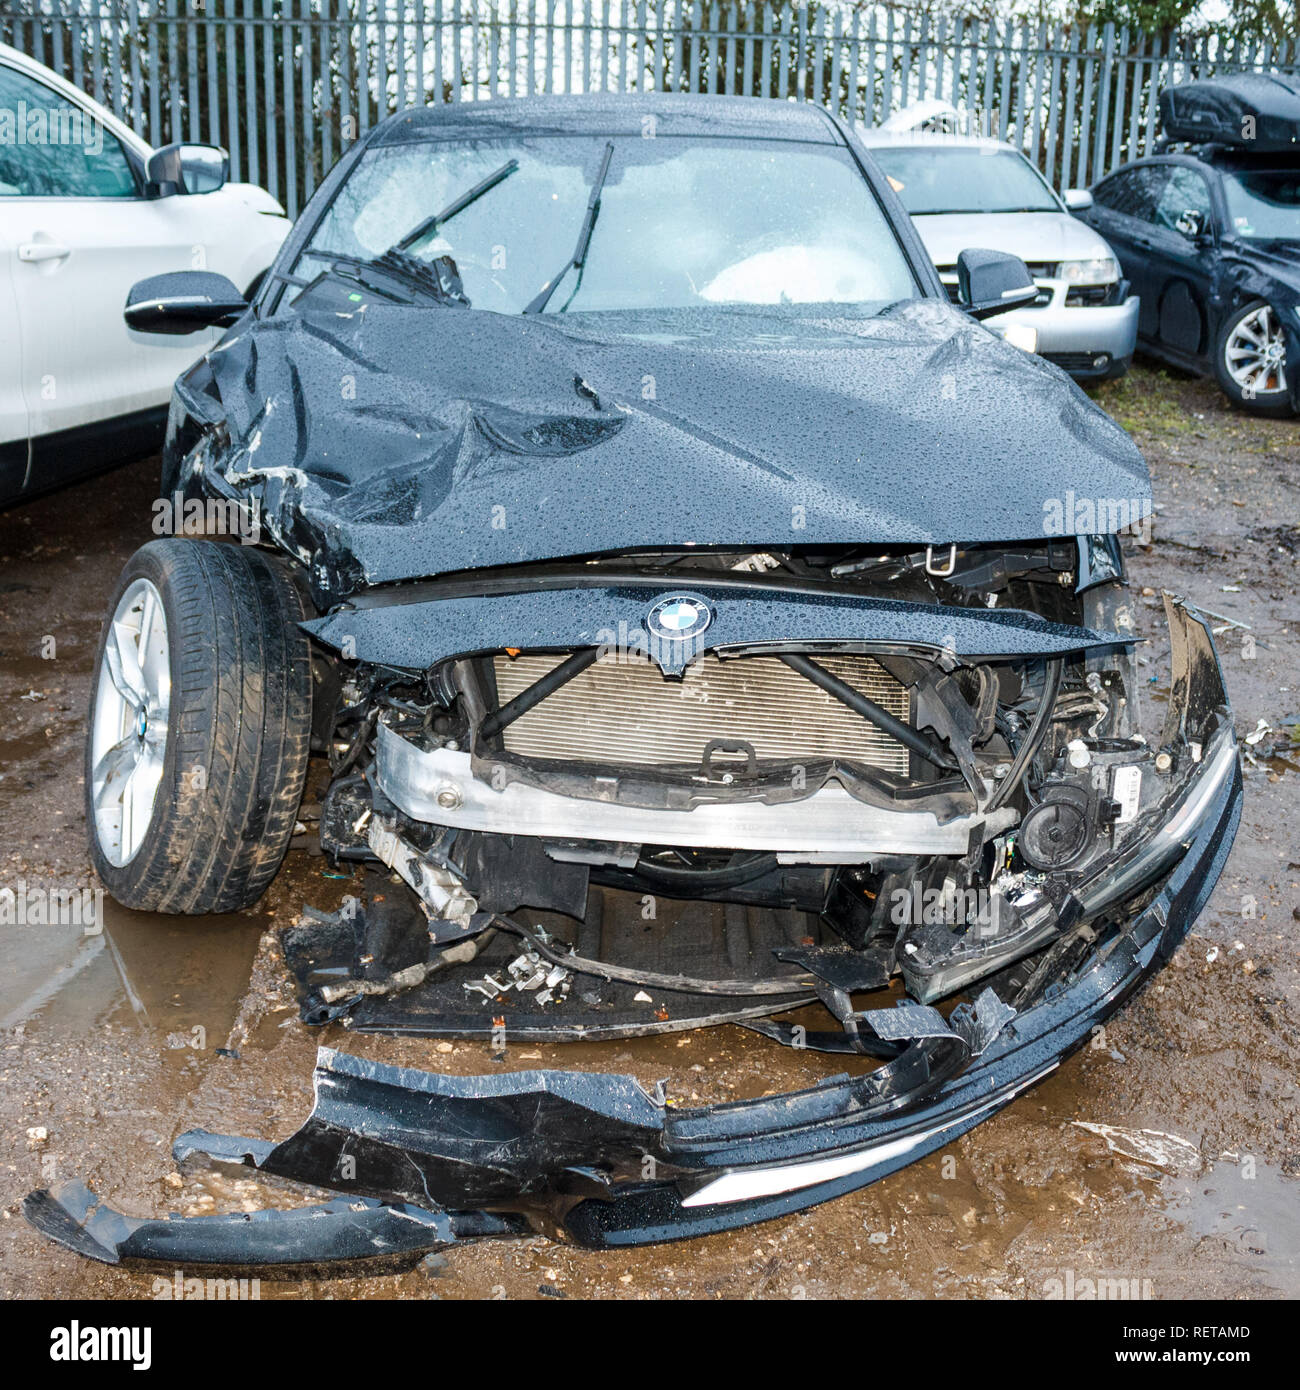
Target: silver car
(970,191)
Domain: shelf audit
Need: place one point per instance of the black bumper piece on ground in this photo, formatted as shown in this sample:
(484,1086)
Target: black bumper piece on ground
(367,1235)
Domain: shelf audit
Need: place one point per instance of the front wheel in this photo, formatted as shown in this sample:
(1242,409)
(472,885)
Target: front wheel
(200,725)
(1250,360)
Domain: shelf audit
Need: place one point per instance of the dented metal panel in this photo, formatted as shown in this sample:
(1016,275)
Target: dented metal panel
(458,417)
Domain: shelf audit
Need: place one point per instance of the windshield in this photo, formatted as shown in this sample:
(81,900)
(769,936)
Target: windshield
(1264,203)
(681,222)
(932,179)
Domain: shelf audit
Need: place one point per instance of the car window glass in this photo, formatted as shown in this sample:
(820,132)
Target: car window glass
(1185,193)
(1135,192)
(682,222)
(52,148)
(1264,203)
(933,178)
(1111,192)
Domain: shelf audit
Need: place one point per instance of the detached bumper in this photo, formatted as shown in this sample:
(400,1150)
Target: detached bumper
(565,1152)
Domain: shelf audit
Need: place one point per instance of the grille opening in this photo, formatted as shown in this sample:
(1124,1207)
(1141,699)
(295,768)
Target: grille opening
(623,712)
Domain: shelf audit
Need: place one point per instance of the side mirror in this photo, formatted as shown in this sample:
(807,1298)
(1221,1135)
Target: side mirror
(183,302)
(1193,224)
(1077,199)
(184,169)
(991,282)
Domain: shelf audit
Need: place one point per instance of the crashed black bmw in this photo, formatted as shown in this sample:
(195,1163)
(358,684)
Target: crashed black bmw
(703,621)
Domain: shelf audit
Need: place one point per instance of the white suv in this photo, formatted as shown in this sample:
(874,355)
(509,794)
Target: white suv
(84,214)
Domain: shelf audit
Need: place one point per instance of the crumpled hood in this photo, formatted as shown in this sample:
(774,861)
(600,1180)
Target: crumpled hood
(395,442)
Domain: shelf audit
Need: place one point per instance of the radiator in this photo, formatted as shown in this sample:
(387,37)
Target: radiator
(624,712)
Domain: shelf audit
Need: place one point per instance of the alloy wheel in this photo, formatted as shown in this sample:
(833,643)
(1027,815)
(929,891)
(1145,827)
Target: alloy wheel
(1255,353)
(129,735)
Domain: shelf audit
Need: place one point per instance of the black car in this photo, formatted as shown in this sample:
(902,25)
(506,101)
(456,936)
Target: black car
(1209,236)
(694,618)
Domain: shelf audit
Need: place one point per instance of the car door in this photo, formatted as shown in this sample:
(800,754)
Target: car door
(13,405)
(72,204)
(1181,257)
(1123,211)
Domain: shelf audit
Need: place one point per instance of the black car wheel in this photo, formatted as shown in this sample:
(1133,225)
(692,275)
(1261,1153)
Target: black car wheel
(1250,360)
(199,728)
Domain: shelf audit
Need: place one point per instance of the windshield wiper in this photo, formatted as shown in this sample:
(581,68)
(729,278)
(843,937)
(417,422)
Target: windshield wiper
(438,279)
(579,259)
(457,205)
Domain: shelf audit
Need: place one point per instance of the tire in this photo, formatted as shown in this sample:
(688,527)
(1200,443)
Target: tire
(197,818)
(1245,355)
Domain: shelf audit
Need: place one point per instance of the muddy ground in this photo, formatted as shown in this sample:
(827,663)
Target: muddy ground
(109,1044)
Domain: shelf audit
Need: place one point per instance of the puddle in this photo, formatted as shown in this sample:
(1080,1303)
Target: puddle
(1247,1210)
(173,975)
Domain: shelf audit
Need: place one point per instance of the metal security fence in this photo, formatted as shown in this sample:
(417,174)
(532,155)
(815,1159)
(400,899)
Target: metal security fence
(286,85)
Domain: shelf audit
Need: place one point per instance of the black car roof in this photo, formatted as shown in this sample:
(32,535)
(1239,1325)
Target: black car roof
(1211,158)
(755,118)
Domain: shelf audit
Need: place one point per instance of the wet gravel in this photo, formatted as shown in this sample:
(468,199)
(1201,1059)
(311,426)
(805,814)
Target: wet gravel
(1166,1156)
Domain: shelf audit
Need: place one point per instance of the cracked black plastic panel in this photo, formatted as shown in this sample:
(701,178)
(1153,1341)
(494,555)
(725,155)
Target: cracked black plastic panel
(358,1232)
(419,1137)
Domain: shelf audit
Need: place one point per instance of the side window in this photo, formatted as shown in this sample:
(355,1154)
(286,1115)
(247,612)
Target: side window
(1185,202)
(1135,192)
(1114,191)
(52,148)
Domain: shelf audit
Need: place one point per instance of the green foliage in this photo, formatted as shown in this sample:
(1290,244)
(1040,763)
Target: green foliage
(1150,16)
(1258,19)
(1261,19)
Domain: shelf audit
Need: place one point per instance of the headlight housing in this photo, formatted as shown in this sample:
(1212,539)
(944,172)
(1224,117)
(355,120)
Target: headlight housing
(1101,270)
